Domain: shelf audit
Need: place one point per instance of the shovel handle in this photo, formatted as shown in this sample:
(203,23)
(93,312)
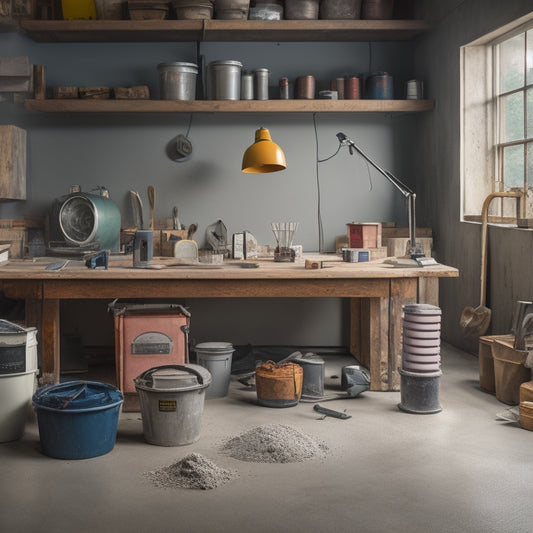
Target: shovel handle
(484,236)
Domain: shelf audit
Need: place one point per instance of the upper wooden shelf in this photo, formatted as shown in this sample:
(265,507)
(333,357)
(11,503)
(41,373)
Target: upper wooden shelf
(221,30)
(229,106)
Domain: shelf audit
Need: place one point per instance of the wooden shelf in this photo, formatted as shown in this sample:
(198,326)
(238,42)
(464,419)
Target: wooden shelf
(221,30)
(230,106)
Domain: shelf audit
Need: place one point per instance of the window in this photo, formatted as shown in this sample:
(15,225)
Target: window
(497,120)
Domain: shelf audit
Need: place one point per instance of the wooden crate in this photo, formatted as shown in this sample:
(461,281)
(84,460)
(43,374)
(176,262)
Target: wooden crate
(18,238)
(166,246)
(364,235)
(12,163)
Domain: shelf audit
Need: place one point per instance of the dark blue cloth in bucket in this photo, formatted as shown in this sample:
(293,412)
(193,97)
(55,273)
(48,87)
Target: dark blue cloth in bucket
(77,419)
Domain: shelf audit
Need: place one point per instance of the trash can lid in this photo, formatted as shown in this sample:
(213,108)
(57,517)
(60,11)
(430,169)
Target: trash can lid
(310,358)
(174,377)
(77,396)
(214,347)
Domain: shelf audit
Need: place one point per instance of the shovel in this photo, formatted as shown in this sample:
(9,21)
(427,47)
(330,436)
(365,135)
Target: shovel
(475,321)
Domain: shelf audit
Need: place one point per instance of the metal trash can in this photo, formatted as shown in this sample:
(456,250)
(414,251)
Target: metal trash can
(172,402)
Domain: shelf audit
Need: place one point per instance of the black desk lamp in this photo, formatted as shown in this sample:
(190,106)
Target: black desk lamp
(414,251)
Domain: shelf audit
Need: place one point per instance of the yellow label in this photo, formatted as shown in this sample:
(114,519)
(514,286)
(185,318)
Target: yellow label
(167,406)
(78,9)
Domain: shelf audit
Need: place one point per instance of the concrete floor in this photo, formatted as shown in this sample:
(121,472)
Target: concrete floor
(460,470)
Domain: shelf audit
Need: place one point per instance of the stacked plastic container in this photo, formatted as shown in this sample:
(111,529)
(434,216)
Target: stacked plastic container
(18,369)
(420,372)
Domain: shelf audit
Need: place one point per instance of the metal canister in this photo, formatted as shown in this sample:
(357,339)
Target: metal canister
(177,81)
(261,76)
(352,89)
(305,87)
(224,80)
(340,88)
(380,86)
(284,88)
(414,90)
(247,86)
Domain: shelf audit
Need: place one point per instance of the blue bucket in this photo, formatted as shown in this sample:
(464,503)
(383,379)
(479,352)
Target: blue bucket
(77,419)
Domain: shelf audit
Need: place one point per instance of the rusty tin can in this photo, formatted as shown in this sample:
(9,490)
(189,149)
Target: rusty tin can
(305,87)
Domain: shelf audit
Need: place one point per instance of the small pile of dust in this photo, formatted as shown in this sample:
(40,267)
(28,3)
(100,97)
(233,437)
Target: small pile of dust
(274,443)
(193,472)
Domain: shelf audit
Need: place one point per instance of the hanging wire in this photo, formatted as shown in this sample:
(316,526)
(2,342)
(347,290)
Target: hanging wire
(319,214)
(189,126)
(318,160)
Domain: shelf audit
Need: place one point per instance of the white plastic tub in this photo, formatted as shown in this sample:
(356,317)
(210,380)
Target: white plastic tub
(16,391)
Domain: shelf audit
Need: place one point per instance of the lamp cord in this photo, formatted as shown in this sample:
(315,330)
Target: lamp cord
(319,213)
(318,160)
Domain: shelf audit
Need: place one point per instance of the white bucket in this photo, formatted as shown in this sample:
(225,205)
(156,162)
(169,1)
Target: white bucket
(16,391)
(18,348)
(216,357)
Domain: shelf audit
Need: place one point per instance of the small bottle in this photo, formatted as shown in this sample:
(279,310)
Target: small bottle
(284,88)
(261,76)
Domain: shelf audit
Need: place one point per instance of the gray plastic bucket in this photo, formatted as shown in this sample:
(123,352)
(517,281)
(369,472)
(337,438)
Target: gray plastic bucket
(314,368)
(172,402)
(177,81)
(216,357)
(420,392)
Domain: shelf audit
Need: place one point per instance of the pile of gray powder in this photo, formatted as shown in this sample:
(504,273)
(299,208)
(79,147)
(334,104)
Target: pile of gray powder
(274,443)
(192,472)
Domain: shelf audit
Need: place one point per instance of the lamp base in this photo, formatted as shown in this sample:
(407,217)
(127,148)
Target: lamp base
(408,262)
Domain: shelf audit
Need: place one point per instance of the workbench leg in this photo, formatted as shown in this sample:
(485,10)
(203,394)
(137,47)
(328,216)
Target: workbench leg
(428,291)
(369,326)
(50,341)
(402,292)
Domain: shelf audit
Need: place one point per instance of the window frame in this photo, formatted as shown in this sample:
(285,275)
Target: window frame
(481,147)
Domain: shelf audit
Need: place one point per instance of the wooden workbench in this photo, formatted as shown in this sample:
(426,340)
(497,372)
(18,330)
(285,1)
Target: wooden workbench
(377,292)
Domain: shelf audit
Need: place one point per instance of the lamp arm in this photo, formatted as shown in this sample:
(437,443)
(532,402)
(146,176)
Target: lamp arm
(404,189)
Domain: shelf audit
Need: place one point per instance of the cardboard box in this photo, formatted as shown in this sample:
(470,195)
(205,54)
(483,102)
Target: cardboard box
(364,235)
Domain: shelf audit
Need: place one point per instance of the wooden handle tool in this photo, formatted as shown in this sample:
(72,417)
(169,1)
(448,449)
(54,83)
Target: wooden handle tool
(151,199)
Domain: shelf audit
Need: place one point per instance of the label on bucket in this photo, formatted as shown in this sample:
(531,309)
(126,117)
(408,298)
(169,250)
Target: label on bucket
(167,406)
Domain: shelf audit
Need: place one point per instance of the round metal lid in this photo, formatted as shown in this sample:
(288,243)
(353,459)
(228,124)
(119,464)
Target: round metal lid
(76,396)
(214,347)
(174,378)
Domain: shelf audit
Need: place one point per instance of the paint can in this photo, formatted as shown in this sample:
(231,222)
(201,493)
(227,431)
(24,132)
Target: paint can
(305,87)
(352,88)
(380,86)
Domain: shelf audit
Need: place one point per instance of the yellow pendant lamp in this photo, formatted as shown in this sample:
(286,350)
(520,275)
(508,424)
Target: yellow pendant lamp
(264,155)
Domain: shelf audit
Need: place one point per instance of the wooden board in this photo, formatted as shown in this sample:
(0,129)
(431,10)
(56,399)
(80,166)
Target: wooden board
(12,163)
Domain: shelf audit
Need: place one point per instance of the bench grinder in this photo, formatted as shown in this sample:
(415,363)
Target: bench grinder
(85,221)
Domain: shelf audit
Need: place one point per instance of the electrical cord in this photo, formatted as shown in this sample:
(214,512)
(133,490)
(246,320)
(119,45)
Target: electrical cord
(318,160)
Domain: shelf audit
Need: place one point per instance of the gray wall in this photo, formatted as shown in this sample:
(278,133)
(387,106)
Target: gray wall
(128,152)
(125,152)
(437,60)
